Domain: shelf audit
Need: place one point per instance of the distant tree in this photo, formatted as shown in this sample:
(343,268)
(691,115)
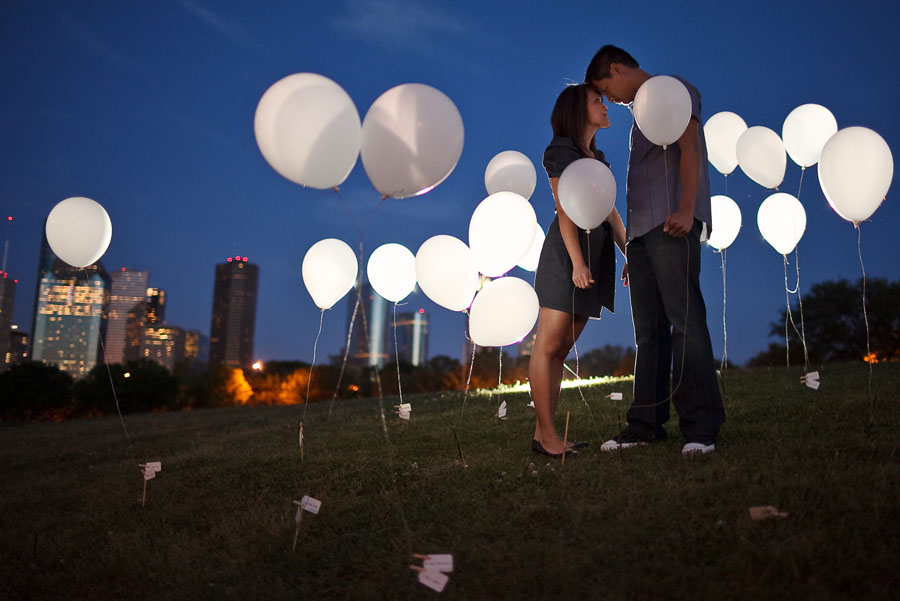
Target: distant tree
(35,390)
(141,385)
(834,324)
(237,389)
(438,373)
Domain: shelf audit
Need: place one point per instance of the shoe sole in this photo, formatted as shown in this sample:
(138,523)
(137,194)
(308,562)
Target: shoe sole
(698,450)
(615,446)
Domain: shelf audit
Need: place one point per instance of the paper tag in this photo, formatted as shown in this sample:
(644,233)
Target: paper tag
(501,412)
(766,512)
(156,466)
(404,407)
(149,475)
(814,384)
(615,396)
(403,414)
(531,404)
(434,580)
(311,505)
(438,563)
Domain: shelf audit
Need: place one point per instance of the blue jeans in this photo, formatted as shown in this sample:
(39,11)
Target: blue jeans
(672,337)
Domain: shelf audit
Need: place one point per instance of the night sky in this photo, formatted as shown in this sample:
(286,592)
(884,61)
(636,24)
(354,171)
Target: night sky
(147,108)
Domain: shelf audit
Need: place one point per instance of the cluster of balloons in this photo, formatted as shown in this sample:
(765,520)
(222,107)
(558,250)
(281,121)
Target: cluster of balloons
(855,170)
(308,129)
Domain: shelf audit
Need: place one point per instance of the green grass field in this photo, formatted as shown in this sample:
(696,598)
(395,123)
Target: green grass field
(644,523)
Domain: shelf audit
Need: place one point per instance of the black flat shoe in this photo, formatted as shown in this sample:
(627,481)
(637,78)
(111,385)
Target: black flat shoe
(579,445)
(537,447)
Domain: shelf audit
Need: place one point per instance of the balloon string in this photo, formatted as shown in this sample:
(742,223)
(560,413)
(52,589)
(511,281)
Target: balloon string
(468,379)
(869,358)
(309,378)
(800,187)
(723,366)
(112,384)
(397,356)
(726,184)
(802,332)
(578,369)
(337,388)
(787,313)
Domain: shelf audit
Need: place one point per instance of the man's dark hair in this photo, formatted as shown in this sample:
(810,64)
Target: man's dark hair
(609,54)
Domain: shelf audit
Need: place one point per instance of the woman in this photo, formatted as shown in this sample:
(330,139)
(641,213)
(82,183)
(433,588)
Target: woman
(575,278)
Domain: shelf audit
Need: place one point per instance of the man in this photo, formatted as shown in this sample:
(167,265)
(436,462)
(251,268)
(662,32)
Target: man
(667,193)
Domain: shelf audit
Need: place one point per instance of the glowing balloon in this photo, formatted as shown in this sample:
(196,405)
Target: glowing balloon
(529,261)
(761,155)
(446,272)
(781,220)
(722,131)
(392,271)
(662,109)
(329,271)
(726,221)
(587,192)
(510,171)
(412,137)
(855,172)
(79,231)
(308,130)
(805,131)
(501,231)
(503,313)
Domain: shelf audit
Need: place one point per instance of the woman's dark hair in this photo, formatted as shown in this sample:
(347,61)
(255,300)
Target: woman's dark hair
(569,117)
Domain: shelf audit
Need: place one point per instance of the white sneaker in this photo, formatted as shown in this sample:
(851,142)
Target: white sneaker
(697,447)
(615,445)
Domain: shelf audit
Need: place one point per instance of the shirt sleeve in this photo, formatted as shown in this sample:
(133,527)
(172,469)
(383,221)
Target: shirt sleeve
(557,158)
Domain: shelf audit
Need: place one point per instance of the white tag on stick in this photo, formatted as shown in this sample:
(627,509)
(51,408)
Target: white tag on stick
(156,466)
(615,396)
(311,505)
(149,475)
(814,384)
(438,563)
(436,581)
(531,404)
(501,412)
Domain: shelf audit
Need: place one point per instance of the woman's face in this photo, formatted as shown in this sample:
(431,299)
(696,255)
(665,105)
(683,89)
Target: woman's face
(596,110)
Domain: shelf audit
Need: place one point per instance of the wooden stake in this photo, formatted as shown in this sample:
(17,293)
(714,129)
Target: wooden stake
(144,495)
(301,441)
(458,448)
(565,439)
(298,520)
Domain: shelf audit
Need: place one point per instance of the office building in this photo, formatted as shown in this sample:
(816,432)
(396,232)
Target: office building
(368,347)
(129,287)
(18,347)
(7,298)
(163,344)
(150,311)
(71,306)
(196,347)
(234,313)
(412,337)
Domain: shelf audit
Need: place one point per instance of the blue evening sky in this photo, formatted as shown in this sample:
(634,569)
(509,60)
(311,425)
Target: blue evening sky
(147,107)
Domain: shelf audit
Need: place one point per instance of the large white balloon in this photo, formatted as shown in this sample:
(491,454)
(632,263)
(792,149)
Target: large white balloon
(781,220)
(726,221)
(308,130)
(392,271)
(501,231)
(412,137)
(329,271)
(855,172)
(761,155)
(805,131)
(722,131)
(529,262)
(662,109)
(503,313)
(587,192)
(446,272)
(510,171)
(79,231)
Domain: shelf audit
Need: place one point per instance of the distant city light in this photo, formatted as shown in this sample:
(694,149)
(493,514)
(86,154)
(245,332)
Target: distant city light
(422,311)
(127,374)
(257,366)
(9,218)
(245,259)
(229,259)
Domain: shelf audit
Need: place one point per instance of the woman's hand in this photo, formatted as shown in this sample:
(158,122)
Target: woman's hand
(581,276)
(625,274)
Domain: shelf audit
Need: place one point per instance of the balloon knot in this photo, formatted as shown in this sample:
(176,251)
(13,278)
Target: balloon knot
(336,188)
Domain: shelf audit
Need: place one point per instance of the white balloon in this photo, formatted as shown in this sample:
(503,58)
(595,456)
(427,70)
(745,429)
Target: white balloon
(587,192)
(855,172)
(501,231)
(510,171)
(662,109)
(503,313)
(726,221)
(781,220)
(761,155)
(79,231)
(329,271)
(392,271)
(805,131)
(722,131)
(308,130)
(529,262)
(412,137)
(446,272)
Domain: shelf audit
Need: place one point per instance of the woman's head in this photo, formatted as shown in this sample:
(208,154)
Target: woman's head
(579,112)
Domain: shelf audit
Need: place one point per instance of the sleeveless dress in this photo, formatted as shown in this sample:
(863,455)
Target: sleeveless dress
(553,277)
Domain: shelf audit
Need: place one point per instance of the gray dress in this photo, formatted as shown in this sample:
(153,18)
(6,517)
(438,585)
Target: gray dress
(553,277)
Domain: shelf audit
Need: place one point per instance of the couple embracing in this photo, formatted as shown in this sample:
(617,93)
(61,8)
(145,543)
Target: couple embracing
(668,216)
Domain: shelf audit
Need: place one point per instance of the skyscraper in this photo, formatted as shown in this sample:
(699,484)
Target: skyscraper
(367,348)
(149,312)
(412,337)
(163,344)
(71,306)
(128,289)
(234,313)
(7,298)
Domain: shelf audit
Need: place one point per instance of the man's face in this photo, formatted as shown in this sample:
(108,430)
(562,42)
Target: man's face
(616,87)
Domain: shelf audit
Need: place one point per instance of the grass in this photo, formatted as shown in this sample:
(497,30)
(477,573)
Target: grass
(644,523)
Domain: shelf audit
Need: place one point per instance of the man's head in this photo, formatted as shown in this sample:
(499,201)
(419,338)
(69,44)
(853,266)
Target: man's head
(615,74)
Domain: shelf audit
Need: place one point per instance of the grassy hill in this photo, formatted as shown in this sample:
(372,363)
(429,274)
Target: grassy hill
(639,524)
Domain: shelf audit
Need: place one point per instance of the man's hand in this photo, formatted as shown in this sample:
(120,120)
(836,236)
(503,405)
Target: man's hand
(625,274)
(581,276)
(679,224)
